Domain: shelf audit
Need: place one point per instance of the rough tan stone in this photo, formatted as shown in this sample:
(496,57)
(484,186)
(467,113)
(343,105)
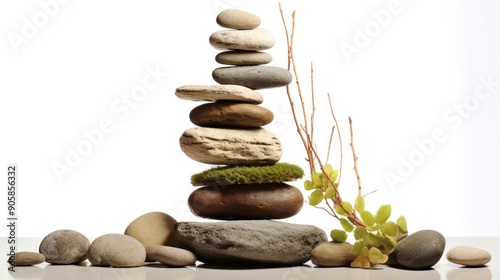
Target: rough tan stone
(219,92)
(231,146)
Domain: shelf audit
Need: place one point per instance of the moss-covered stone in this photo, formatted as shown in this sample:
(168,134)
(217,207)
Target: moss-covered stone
(233,175)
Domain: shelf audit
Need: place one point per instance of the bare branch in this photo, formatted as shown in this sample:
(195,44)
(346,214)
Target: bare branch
(355,157)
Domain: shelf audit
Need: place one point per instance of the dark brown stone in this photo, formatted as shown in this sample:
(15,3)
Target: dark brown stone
(246,202)
(230,114)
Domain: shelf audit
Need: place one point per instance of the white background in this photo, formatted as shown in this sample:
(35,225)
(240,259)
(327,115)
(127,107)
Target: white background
(400,86)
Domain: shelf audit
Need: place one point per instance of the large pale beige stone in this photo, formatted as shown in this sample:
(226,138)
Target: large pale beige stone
(231,146)
(248,40)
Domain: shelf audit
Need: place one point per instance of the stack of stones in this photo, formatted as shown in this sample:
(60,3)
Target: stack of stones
(230,130)
(246,181)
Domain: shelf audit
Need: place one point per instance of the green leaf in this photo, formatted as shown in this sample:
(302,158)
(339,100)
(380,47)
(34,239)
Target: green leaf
(360,233)
(376,256)
(387,242)
(316,197)
(345,209)
(367,218)
(383,214)
(330,192)
(338,235)
(390,228)
(317,179)
(357,247)
(359,205)
(362,260)
(330,172)
(346,225)
(401,222)
(308,185)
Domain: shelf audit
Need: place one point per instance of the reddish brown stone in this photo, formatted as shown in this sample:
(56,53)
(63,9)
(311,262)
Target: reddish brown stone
(230,114)
(246,202)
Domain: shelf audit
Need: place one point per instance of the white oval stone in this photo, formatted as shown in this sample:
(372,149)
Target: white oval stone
(248,40)
(231,146)
(468,256)
(219,92)
(170,256)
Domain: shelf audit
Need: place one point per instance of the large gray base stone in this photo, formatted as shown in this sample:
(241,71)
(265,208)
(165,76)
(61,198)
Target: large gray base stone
(261,243)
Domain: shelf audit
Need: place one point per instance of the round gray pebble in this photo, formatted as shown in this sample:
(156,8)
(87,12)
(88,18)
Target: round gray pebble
(64,247)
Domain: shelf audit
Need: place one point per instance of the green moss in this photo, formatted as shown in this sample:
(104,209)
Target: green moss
(231,175)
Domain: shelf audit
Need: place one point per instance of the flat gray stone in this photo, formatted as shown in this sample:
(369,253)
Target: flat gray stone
(261,243)
(237,19)
(219,92)
(222,146)
(254,77)
(243,58)
(247,40)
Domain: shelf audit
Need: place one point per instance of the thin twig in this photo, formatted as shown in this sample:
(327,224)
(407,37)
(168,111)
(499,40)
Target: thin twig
(338,133)
(355,157)
(291,61)
(313,103)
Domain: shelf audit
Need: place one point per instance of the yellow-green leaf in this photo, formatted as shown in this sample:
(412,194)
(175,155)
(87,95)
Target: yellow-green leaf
(367,218)
(330,192)
(338,235)
(362,260)
(358,245)
(330,172)
(359,205)
(344,208)
(308,185)
(360,233)
(401,222)
(376,256)
(390,228)
(346,225)
(383,214)
(316,197)
(317,179)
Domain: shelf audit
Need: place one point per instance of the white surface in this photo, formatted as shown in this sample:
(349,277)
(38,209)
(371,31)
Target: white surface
(442,270)
(77,70)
